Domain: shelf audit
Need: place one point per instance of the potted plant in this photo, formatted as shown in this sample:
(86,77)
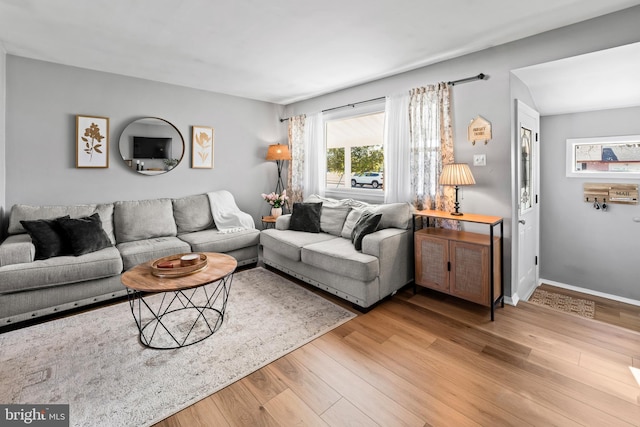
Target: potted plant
(276,201)
(170,163)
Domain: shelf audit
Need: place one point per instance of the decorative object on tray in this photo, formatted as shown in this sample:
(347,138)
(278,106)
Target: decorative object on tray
(202,148)
(189,259)
(276,201)
(92,142)
(179,265)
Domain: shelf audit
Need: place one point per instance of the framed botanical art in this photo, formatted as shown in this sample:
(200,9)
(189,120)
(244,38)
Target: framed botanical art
(202,148)
(92,142)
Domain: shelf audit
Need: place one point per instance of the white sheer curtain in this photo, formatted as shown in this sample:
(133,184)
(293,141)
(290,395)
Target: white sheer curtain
(397,147)
(431,138)
(296,169)
(308,161)
(316,156)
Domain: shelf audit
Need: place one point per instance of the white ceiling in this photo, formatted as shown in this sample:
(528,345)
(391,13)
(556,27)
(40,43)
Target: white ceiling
(279,51)
(595,81)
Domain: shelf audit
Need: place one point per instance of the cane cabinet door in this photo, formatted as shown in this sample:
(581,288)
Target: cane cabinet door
(432,255)
(470,275)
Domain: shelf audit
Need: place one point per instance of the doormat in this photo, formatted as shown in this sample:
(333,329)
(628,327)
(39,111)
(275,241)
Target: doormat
(565,303)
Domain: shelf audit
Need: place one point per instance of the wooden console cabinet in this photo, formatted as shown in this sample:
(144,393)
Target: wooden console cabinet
(460,263)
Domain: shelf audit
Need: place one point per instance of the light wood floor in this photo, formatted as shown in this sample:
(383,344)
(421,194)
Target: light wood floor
(432,360)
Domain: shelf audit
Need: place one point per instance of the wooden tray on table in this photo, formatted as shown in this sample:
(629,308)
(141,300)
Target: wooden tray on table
(178,265)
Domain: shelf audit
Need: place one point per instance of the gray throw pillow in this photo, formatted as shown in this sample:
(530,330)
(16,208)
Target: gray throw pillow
(306,217)
(367,224)
(143,219)
(332,218)
(48,237)
(395,215)
(352,218)
(192,213)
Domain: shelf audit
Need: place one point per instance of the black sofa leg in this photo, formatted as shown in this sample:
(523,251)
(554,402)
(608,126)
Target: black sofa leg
(361,309)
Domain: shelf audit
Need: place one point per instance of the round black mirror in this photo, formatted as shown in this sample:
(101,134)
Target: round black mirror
(151,146)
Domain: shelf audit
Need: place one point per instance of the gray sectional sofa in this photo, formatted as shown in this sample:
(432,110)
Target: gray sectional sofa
(329,259)
(137,231)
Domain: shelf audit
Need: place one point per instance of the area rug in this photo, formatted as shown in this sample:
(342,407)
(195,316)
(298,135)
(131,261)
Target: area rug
(94,362)
(565,303)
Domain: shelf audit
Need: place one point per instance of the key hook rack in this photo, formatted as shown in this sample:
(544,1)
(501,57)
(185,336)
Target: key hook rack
(601,195)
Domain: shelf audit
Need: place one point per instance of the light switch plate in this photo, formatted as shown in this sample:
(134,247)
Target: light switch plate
(479,160)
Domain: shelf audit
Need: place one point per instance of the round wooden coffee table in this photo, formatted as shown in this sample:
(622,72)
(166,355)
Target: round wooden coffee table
(174,312)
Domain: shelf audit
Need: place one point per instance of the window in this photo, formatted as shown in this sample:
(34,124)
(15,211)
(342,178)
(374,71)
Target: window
(354,144)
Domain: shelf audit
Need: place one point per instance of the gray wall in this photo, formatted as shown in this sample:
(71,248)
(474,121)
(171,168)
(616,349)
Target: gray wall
(493,100)
(44,98)
(3,59)
(581,246)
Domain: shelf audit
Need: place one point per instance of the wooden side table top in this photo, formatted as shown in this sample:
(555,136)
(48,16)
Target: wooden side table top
(469,217)
(269,219)
(139,278)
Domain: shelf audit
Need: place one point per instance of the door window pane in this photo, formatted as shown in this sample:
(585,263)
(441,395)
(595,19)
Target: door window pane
(525,169)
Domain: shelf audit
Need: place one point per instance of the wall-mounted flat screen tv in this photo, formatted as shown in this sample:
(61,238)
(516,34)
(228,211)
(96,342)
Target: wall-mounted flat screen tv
(151,147)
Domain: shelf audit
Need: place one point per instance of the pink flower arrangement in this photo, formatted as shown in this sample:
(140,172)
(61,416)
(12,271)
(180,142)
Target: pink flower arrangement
(274,199)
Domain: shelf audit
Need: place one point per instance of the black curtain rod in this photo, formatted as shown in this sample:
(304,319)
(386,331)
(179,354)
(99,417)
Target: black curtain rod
(346,105)
(480,76)
(354,104)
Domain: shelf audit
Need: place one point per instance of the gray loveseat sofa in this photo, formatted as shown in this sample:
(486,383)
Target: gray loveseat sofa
(329,259)
(137,231)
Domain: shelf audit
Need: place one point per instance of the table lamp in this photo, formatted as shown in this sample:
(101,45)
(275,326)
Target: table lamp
(456,174)
(279,153)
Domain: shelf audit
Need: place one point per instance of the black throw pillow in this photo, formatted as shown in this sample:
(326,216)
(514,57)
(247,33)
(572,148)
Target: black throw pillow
(306,217)
(85,234)
(367,224)
(48,238)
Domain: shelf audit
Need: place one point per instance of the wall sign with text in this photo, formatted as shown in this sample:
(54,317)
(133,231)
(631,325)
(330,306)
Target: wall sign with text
(479,130)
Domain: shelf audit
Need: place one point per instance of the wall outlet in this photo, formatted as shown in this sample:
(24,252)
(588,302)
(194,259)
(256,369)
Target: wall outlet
(479,160)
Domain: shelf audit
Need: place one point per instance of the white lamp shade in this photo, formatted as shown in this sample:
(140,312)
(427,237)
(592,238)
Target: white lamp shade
(456,174)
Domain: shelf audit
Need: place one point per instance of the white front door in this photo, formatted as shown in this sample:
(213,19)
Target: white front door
(528,165)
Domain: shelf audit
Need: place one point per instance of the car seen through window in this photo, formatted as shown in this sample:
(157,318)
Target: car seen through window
(369,179)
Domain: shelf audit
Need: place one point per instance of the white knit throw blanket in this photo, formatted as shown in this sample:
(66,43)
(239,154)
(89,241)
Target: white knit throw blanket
(226,214)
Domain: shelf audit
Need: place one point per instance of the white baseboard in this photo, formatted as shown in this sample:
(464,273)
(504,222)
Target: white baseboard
(512,300)
(590,292)
(515,298)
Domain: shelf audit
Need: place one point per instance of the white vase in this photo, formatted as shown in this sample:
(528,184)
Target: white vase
(276,212)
